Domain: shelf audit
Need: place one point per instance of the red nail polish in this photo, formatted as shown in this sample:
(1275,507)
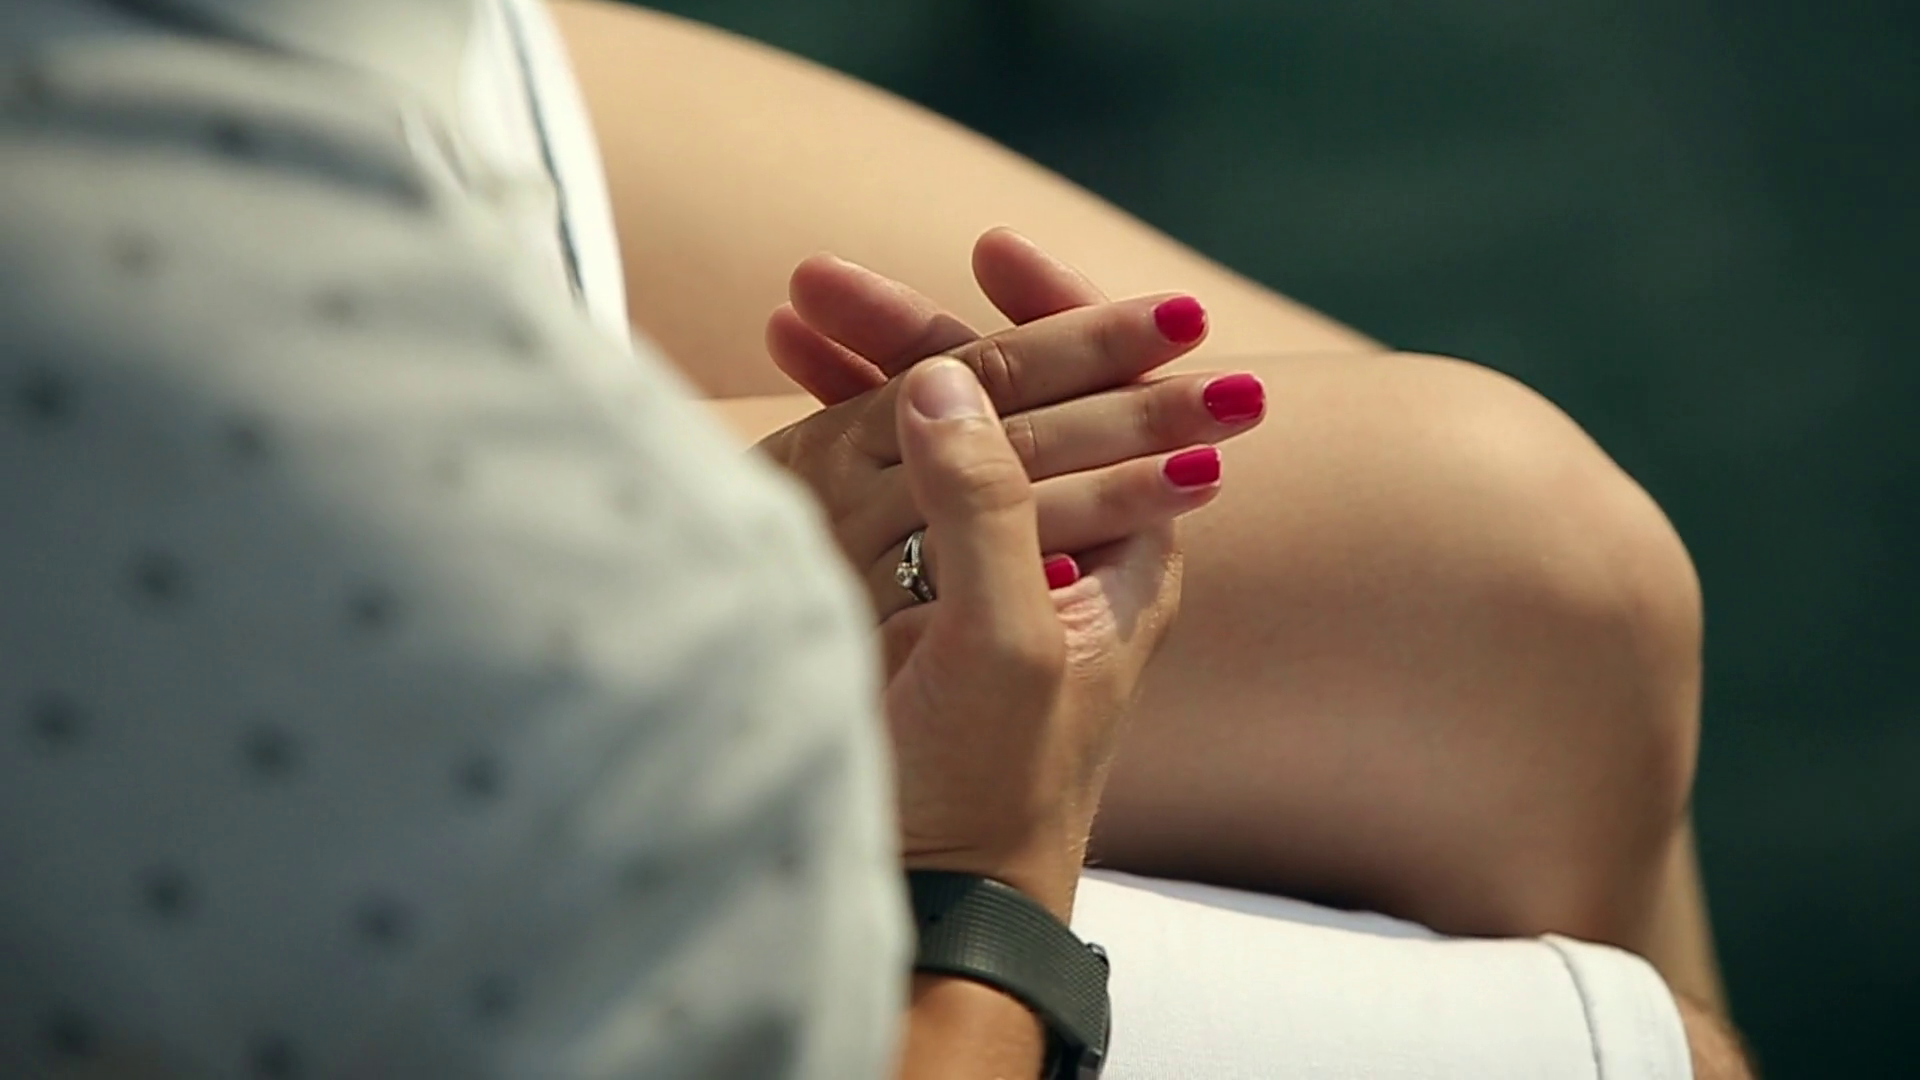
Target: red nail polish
(1181,320)
(1062,571)
(1233,399)
(1194,468)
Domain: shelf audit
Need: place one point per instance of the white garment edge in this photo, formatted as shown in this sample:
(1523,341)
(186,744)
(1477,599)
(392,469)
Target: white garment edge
(1631,1014)
(1219,984)
(574,152)
(1226,985)
(499,116)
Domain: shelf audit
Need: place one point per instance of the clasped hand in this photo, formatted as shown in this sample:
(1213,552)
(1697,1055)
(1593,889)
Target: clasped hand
(1004,695)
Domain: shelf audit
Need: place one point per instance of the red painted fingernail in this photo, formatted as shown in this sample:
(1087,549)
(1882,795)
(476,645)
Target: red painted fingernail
(1181,320)
(1062,571)
(1194,468)
(1233,399)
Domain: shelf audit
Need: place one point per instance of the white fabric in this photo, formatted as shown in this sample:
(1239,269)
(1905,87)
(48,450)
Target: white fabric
(575,154)
(502,121)
(1214,984)
(524,115)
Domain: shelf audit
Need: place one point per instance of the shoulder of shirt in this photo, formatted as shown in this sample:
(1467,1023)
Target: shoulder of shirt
(242,170)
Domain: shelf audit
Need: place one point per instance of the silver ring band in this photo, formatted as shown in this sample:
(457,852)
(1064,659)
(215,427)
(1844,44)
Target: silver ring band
(912,571)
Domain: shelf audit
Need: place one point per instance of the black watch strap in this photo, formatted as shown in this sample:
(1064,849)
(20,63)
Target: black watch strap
(976,928)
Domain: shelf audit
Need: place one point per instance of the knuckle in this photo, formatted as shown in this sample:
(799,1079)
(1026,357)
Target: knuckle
(1116,342)
(998,371)
(1157,417)
(1024,436)
(1121,494)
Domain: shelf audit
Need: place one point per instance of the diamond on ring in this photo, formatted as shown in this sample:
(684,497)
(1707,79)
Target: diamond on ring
(911,574)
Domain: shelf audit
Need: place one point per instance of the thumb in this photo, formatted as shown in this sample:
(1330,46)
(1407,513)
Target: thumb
(972,489)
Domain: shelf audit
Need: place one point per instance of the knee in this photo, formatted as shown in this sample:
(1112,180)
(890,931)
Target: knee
(1590,569)
(1429,577)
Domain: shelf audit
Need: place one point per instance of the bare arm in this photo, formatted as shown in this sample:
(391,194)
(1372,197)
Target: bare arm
(729,162)
(965,1030)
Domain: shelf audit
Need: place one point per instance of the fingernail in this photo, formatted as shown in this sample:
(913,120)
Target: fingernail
(1181,320)
(1232,399)
(1193,468)
(1062,571)
(946,390)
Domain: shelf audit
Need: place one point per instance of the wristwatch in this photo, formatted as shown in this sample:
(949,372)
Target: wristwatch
(976,928)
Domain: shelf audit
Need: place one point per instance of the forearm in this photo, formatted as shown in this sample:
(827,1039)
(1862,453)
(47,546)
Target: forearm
(962,1030)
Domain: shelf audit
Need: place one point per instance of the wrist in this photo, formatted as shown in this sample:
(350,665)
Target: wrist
(1051,882)
(988,932)
(1046,869)
(961,1028)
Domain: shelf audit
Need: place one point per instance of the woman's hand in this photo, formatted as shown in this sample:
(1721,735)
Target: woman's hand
(1111,459)
(1005,700)
(847,329)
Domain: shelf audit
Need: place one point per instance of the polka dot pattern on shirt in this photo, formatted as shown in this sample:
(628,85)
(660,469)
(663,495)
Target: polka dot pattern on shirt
(162,581)
(44,397)
(392,665)
(54,722)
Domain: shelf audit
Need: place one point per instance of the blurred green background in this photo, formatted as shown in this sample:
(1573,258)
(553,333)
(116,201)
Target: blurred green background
(1693,224)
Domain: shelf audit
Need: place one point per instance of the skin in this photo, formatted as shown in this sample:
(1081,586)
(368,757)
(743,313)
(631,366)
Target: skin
(1100,460)
(1005,696)
(1467,692)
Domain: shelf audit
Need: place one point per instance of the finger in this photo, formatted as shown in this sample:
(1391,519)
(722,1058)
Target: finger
(1102,458)
(1141,421)
(1025,282)
(890,598)
(891,325)
(1077,514)
(1083,511)
(1134,421)
(829,371)
(873,316)
(979,510)
(1066,356)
